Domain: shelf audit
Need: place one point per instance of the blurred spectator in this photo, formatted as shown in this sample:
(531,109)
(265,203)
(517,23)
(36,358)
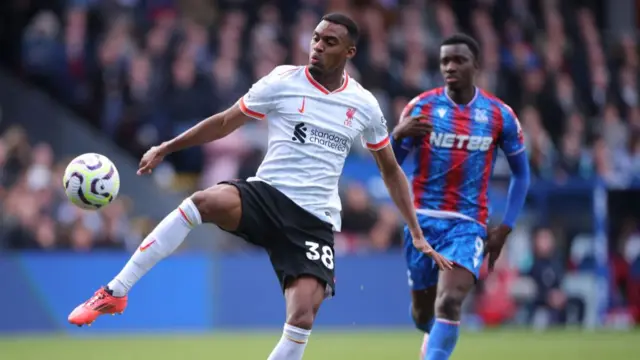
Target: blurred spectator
(625,270)
(495,305)
(365,226)
(551,303)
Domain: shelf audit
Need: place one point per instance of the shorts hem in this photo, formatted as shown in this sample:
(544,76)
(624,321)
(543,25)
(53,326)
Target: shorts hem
(329,289)
(423,287)
(237,232)
(457,264)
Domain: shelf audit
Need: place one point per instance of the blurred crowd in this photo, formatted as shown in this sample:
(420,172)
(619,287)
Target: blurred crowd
(35,214)
(143,71)
(543,287)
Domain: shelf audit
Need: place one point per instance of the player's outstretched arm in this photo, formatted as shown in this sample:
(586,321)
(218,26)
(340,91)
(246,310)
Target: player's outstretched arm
(212,128)
(256,103)
(398,186)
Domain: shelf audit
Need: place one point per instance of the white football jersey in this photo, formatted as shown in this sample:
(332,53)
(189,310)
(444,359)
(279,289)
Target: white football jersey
(311,131)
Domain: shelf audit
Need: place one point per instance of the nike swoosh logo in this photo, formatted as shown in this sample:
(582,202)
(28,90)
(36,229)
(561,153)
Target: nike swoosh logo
(146,246)
(301,109)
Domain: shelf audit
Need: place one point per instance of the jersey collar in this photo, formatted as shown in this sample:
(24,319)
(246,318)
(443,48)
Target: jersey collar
(475,96)
(324,90)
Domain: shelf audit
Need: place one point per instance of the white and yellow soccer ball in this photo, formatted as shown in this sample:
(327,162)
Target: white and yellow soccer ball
(91,181)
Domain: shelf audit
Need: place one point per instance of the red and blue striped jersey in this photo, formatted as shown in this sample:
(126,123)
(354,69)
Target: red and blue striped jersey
(455,161)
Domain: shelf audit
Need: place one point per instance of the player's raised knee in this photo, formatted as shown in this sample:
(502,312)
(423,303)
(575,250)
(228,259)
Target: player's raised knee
(448,305)
(219,205)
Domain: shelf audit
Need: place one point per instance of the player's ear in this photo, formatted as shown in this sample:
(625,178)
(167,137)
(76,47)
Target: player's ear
(351,52)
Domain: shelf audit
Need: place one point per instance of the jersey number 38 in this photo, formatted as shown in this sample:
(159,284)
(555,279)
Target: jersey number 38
(326,257)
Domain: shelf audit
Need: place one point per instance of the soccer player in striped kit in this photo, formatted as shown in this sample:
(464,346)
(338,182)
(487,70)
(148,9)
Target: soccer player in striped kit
(454,133)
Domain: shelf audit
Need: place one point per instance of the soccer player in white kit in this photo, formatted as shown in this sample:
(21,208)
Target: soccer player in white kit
(291,207)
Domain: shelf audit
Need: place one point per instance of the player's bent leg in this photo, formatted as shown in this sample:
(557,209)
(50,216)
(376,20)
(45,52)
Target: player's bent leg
(303,296)
(422,313)
(220,205)
(453,287)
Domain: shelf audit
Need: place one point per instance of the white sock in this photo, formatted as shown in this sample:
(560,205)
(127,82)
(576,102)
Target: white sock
(291,345)
(423,348)
(160,243)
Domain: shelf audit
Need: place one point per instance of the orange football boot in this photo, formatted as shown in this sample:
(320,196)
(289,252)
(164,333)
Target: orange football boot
(101,303)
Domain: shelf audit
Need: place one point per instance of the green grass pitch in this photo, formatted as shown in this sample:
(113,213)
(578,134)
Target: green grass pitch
(324,344)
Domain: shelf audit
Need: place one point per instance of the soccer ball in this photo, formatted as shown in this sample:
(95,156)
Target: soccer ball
(91,181)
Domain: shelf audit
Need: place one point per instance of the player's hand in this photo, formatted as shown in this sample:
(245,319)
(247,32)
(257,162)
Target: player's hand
(413,126)
(421,244)
(495,243)
(152,158)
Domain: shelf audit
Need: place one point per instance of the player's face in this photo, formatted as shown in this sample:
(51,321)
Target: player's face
(331,47)
(458,66)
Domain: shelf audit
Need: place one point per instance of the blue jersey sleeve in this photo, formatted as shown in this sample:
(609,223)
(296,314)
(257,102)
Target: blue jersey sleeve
(518,187)
(511,138)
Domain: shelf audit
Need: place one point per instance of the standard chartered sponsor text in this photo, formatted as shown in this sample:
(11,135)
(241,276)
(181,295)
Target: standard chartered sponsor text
(328,139)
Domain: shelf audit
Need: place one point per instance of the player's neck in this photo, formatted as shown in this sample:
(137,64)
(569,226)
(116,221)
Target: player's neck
(462,96)
(330,81)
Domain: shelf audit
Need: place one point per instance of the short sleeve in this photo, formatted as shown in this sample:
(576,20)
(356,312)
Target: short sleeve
(512,137)
(376,135)
(258,101)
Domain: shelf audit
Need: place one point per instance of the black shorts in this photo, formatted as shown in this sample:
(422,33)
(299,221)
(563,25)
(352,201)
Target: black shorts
(298,242)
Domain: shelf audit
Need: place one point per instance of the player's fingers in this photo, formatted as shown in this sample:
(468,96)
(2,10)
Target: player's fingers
(448,264)
(419,117)
(488,246)
(419,130)
(423,125)
(423,128)
(492,260)
(145,169)
(443,263)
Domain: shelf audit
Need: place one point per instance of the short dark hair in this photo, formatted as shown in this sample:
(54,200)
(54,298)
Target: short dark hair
(344,20)
(464,39)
